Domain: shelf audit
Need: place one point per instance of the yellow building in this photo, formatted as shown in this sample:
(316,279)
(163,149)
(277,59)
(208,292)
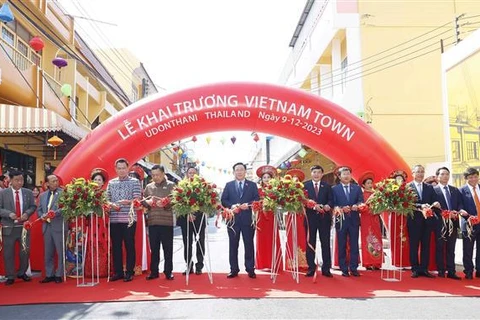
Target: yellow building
(382,61)
(34,105)
(461,70)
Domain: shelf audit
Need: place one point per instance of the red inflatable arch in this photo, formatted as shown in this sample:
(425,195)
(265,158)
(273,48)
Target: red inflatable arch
(156,121)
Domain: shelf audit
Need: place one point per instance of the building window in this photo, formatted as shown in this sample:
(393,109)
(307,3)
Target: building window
(8,38)
(456,151)
(344,74)
(26,164)
(472,150)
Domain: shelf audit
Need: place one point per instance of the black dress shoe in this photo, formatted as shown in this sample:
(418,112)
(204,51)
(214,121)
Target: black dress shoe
(25,278)
(152,276)
(441,274)
(428,274)
(9,282)
(47,279)
(345,274)
(468,276)
(310,273)
(355,273)
(198,271)
(252,275)
(128,278)
(169,276)
(453,276)
(232,275)
(414,274)
(58,280)
(327,274)
(116,277)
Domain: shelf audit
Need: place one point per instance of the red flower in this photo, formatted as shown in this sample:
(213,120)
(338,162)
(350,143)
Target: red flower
(214,185)
(192,201)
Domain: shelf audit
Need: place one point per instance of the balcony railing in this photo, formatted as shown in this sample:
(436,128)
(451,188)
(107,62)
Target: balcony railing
(22,60)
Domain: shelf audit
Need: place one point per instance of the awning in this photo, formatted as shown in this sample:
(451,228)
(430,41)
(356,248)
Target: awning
(17,119)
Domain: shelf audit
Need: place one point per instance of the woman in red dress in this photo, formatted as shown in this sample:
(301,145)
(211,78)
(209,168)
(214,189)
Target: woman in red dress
(100,177)
(370,234)
(265,229)
(301,240)
(397,230)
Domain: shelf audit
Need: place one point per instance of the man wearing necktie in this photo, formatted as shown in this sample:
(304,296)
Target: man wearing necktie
(239,194)
(321,193)
(420,228)
(17,204)
(471,204)
(53,231)
(347,196)
(449,198)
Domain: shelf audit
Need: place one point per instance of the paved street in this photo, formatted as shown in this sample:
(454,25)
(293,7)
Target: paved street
(268,308)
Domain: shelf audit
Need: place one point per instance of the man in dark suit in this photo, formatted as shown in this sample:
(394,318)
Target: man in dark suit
(239,194)
(346,198)
(17,204)
(471,205)
(319,219)
(189,234)
(53,230)
(419,228)
(449,198)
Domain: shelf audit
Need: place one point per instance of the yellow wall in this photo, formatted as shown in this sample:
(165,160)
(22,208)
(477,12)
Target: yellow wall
(463,91)
(406,100)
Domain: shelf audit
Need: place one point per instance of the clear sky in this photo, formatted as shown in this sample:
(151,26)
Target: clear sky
(193,42)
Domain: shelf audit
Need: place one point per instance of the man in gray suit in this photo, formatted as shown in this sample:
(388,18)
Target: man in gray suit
(16,206)
(53,230)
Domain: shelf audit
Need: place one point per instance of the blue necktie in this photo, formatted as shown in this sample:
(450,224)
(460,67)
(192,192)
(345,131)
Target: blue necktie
(448,198)
(347,193)
(240,189)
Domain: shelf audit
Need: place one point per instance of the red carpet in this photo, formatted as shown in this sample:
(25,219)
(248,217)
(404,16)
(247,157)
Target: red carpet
(369,285)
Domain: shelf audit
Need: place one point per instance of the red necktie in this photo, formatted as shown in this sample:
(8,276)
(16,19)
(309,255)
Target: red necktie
(18,211)
(316,189)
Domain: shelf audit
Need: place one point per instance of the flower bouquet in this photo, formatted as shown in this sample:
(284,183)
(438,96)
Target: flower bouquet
(194,194)
(389,196)
(285,193)
(81,198)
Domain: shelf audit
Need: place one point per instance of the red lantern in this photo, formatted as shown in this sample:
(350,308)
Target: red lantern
(36,43)
(255,137)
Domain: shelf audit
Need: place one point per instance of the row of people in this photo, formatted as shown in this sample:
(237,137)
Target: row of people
(17,205)
(409,237)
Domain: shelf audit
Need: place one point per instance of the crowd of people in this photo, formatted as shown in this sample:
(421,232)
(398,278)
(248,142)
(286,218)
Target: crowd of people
(423,243)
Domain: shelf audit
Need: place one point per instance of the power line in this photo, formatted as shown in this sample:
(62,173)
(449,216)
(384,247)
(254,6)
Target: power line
(461,17)
(396,64)
(66,48)
(30,86)
(387,50)
(382,64)
(387,56)
(109,44)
